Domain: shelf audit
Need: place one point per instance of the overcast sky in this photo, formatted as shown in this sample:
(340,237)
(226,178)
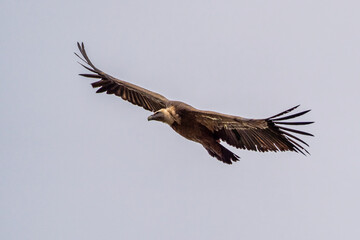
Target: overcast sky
(80,165)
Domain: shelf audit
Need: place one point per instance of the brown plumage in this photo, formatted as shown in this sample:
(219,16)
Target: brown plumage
(206,127)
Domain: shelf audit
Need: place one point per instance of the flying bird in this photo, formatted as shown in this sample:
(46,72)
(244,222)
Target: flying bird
(206,127)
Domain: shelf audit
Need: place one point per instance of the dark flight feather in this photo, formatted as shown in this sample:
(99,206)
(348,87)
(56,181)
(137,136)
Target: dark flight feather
(291,116)
(90,75)
(293,123)
(284,112)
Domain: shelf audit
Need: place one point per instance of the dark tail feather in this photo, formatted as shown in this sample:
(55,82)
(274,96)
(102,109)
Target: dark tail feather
(226,155)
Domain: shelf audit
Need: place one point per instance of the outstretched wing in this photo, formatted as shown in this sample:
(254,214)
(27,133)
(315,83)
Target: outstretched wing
(136,95)
(256,134)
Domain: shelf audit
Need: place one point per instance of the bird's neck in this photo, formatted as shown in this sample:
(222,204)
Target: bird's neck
(170,116)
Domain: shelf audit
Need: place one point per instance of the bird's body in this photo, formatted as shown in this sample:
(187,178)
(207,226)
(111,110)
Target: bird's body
(206,127)
(186,124)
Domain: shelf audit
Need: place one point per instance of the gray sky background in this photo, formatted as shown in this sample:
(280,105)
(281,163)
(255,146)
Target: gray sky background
(80,165)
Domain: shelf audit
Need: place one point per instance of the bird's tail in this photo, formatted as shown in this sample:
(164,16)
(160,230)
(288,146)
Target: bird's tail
(225,156)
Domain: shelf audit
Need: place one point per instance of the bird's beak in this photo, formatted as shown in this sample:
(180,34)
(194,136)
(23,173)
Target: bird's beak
(151,117)
(156,116)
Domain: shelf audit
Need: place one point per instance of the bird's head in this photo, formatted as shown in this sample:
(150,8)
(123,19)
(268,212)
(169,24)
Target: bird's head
(157,116)
(163,115)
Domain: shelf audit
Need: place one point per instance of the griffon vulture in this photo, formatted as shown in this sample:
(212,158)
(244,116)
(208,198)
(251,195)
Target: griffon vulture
(206,127)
